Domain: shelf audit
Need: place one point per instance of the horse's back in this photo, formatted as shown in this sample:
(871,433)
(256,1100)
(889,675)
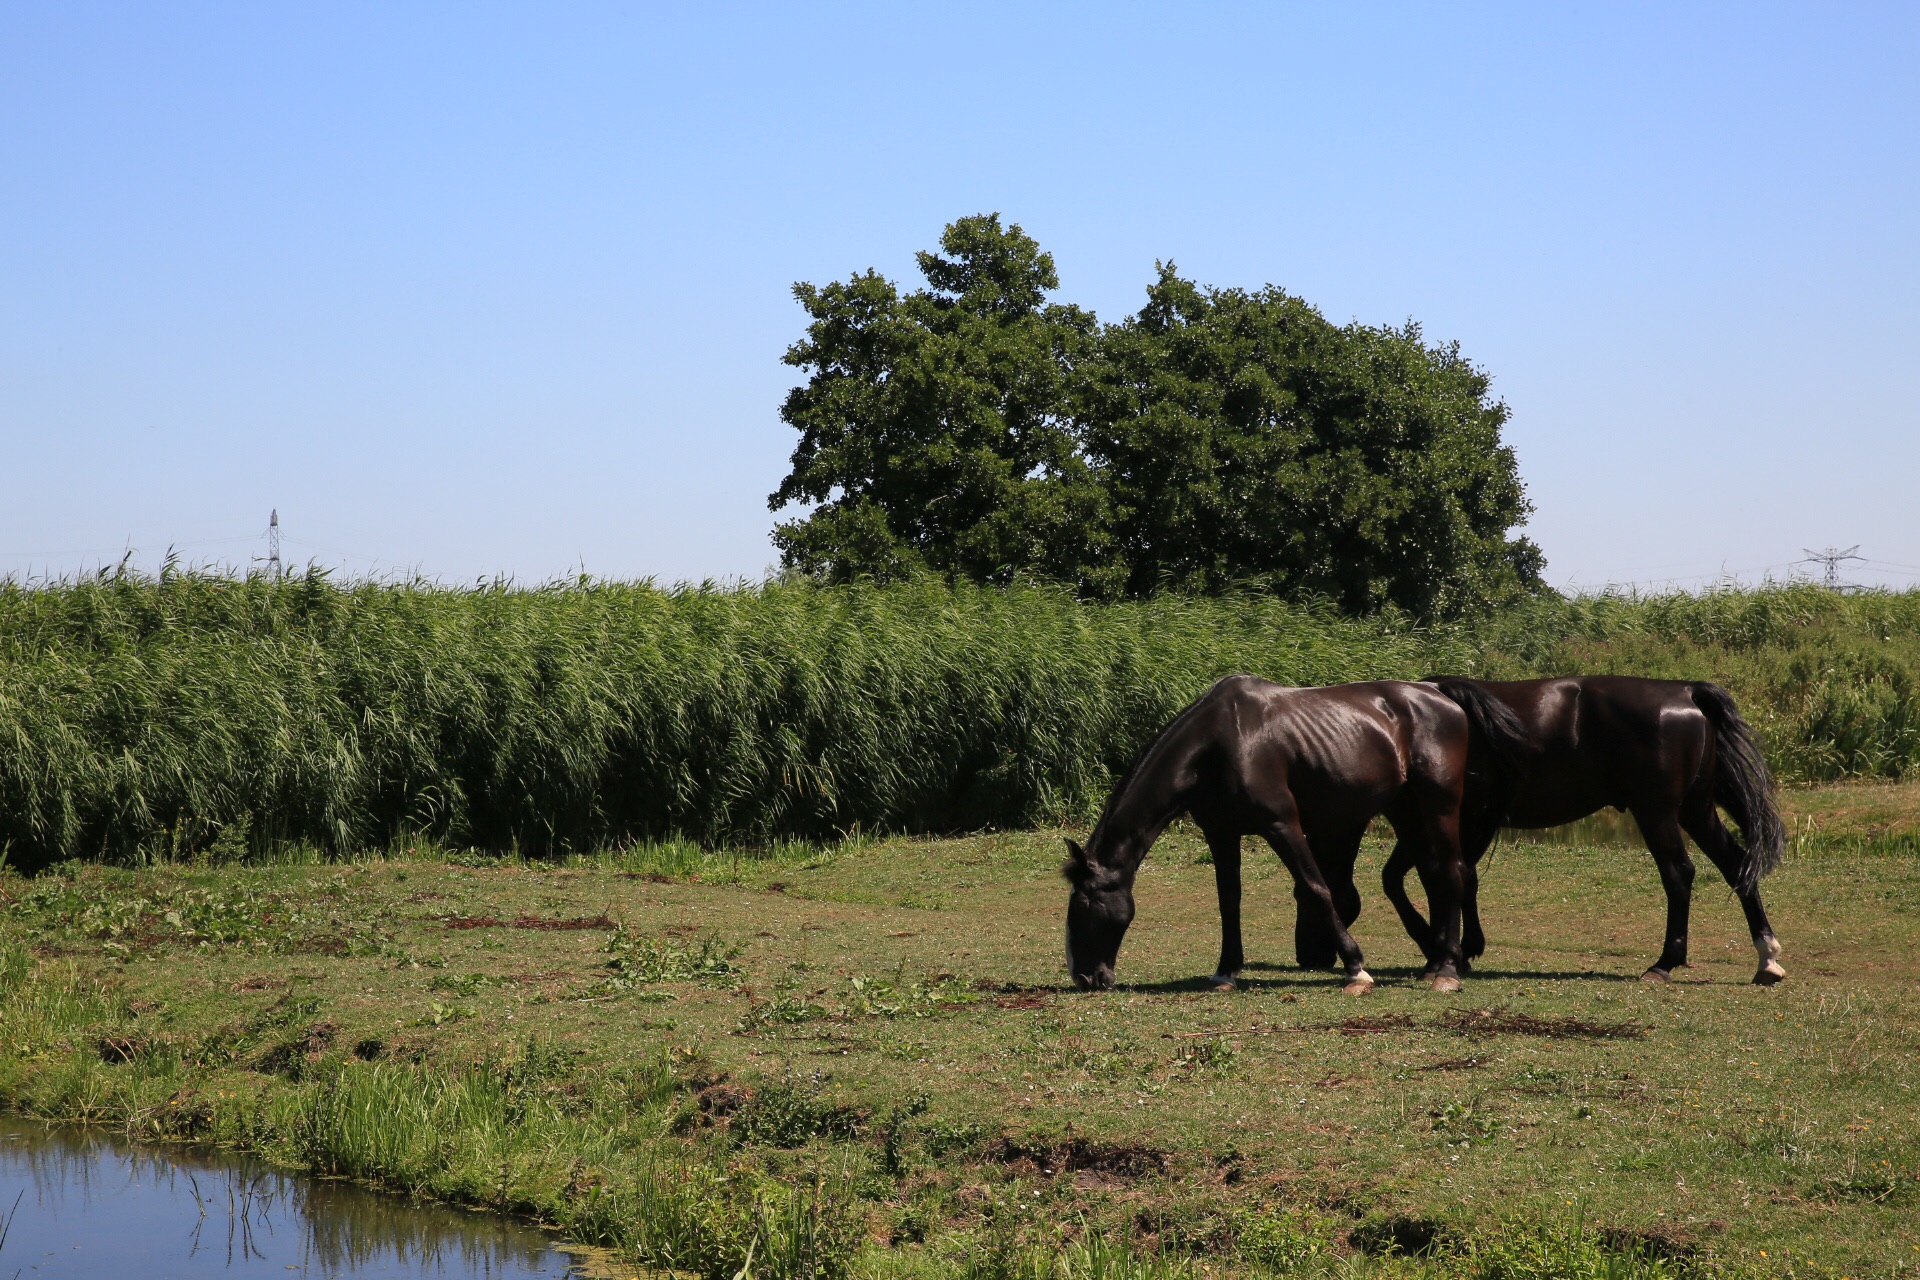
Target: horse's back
(1345,745)
(1602,740)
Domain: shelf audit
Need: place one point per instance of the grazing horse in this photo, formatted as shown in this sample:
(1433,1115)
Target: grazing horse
(1305,769)
(1666,751)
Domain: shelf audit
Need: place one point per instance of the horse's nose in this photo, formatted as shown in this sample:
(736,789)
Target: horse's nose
(1101,979)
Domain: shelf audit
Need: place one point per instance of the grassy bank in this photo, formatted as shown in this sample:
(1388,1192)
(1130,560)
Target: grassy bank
(860,1061)
(146,720)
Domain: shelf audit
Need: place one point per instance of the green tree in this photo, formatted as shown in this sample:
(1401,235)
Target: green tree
(1242,439)
(1219,439)
(934,431)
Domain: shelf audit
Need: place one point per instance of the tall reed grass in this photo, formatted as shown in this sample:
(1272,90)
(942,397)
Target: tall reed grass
(190,714)
(143,718)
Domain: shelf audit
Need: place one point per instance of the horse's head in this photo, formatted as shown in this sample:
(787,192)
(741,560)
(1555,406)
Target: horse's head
(1099,909)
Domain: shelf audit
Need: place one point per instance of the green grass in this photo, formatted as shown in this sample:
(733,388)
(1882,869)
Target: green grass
(862,1061)
(195,717)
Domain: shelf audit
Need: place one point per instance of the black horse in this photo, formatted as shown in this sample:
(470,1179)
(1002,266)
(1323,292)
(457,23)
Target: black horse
(1670,752)
(1307,770)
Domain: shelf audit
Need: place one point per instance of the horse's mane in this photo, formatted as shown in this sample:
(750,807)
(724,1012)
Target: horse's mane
(1141,757)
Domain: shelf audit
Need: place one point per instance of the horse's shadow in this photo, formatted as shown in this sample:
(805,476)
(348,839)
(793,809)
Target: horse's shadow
(1286,978)
(1542,975)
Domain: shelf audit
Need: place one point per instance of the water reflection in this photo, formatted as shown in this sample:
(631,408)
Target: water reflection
(85,1205)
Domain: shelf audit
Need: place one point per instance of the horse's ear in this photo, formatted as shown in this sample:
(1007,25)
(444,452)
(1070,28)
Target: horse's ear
(1075,868)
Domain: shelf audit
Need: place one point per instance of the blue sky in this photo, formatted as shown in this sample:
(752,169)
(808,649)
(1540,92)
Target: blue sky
(475,289)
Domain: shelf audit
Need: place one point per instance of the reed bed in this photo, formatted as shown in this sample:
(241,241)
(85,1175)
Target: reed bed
(192,715)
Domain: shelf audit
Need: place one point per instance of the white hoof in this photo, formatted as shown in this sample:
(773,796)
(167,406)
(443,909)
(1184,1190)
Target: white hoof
(1358,983)
(1446,986)
(1770,973)
(1222,982)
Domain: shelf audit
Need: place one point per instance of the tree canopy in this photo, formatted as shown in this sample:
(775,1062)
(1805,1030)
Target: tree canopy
(1218,439)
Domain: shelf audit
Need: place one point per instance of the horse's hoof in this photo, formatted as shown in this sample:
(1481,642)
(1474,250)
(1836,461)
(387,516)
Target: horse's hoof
(1657,976)
(1221,982)
(1445,984)
(1770,973)
(1359,984)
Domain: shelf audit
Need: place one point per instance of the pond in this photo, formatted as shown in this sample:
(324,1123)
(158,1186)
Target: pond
(76,1203)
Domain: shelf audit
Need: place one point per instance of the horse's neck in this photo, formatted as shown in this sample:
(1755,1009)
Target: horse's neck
(1139,814)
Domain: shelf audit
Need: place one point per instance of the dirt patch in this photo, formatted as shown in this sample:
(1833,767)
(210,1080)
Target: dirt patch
(1052,1157)
(1453,1064)
(1651,1243)
(1022,1000)
(1014,995)
(309,1046)
(1403,1235)
(1369,1024)
(549,923)
(259,982)
(1480,1024)
(716,1104)
(554,924)
(118,1049)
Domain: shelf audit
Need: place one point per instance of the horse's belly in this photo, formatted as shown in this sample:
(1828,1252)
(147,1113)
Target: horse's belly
(1551,802)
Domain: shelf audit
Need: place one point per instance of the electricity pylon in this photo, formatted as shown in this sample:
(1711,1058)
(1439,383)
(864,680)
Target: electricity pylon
(1832,558)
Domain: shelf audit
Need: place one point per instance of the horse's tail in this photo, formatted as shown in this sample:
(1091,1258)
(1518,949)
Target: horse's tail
(1741,784)
(1493,724)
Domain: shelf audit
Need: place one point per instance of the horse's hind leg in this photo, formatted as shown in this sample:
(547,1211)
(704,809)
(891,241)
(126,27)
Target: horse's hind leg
(1408,855)
(1669,849)
(1702,822)
(1226,879)
(1313,945)
(1443,872)
(1290,842)
(1475,840)
(1473,939)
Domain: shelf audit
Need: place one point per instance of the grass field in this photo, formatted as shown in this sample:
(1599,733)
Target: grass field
(864,1059)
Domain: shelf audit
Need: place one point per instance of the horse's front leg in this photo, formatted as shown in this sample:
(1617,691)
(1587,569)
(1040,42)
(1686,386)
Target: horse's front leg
(1226,879)
(1393,881)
